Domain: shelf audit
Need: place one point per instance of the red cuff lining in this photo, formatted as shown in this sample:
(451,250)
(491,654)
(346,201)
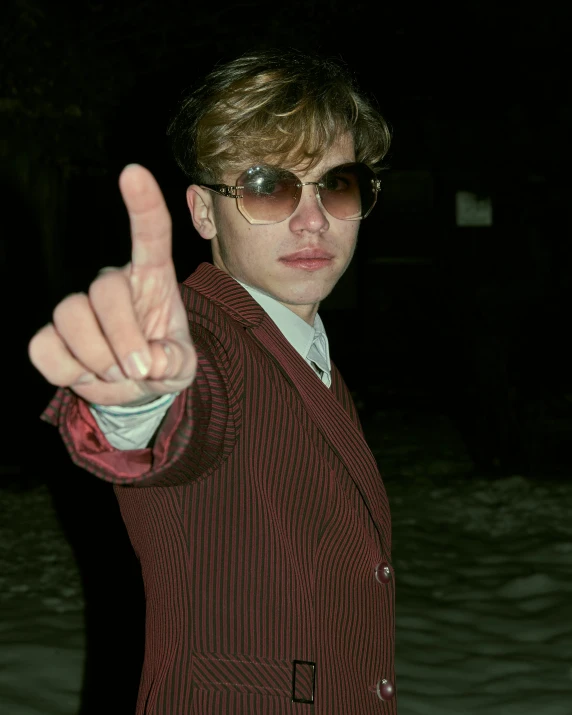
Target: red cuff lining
(92,445)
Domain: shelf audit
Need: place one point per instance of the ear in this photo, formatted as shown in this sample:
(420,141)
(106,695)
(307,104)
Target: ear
(200,203)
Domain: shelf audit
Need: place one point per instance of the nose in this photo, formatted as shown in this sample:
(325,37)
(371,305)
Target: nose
(310,215)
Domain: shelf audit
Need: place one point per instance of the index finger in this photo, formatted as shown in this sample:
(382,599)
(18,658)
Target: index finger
(149,217)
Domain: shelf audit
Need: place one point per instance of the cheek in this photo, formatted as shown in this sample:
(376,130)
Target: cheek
(228,232)
(349,238)
(240,247)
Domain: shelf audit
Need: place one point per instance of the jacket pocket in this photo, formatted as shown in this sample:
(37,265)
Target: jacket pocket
(235,684)
(242,674)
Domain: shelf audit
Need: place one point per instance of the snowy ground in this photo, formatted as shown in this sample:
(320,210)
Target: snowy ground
(484,589)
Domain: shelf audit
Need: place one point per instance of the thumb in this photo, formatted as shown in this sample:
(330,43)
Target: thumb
(172,360)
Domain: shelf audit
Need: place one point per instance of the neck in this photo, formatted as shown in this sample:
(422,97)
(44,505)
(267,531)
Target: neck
(306,312)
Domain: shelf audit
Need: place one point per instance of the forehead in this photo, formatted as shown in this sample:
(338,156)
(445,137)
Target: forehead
(340,152)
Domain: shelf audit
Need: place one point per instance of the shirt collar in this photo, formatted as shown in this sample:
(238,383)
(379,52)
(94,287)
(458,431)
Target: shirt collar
(296,330)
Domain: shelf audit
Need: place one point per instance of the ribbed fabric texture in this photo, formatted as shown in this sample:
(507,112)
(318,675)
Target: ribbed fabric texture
(258,523)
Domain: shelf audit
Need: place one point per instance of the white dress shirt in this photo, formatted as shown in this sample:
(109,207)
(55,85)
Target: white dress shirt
(133,427)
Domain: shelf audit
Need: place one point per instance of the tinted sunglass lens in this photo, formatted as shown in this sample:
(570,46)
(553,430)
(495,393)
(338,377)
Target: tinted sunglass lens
(269,195)
(348,191)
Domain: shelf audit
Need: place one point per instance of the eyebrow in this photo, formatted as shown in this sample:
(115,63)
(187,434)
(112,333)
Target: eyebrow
(333,165)
(277,168)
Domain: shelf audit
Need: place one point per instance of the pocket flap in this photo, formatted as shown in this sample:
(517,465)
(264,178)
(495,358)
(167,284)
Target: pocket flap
(250,674)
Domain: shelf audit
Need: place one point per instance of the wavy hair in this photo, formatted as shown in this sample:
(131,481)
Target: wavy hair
(285,108)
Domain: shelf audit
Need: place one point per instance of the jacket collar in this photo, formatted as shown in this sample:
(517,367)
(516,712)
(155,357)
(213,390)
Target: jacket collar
(222,289)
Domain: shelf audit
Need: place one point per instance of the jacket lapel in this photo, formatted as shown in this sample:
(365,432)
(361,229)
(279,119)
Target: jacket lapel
(342,433)
(335,424)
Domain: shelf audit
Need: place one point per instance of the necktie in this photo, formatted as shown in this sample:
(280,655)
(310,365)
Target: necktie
(317,354)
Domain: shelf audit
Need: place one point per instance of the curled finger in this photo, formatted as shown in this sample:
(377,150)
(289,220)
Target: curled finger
(52,358)
(112,302)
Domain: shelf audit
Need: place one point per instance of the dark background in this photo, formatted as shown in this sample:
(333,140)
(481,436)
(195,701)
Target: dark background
(468,322)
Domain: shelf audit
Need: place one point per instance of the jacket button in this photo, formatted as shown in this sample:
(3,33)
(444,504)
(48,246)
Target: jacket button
(385,689)
(382,572)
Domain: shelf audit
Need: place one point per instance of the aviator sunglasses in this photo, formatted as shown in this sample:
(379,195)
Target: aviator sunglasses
(268,194)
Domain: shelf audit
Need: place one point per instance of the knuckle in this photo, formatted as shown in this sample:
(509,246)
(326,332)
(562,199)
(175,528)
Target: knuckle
(56,380)
(96,289)
(40,351)
(41,342)
(106,270)
(69,306)
(100,289)
(36,345)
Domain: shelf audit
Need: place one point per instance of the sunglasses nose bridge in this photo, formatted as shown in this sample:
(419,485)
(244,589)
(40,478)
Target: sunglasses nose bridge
(317,184)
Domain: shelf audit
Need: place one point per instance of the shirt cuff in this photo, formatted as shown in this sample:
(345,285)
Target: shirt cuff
(128,428)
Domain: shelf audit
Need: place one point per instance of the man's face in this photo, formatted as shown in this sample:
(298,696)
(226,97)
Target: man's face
(271,257)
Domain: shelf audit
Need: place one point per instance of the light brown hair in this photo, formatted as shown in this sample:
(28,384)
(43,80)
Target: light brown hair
(284,107)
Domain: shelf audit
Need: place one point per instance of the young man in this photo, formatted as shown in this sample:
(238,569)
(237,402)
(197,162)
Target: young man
(251,498)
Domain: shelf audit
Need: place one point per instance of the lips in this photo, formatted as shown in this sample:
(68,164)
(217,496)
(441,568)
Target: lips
(308,254)
(309,259)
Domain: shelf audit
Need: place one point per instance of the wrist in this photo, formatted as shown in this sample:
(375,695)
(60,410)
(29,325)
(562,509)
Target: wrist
(145,400)
(146,403)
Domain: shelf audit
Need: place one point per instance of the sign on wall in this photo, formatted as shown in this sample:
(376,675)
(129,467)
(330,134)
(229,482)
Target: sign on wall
(473,210)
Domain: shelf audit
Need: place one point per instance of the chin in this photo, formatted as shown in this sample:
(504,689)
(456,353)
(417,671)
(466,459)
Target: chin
(302,292)
(309,298)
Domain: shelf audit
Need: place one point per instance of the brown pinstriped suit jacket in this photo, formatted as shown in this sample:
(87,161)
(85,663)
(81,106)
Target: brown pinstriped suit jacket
(259,517)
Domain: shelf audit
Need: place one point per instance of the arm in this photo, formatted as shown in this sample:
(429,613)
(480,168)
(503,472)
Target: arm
(198,432)
(127,341)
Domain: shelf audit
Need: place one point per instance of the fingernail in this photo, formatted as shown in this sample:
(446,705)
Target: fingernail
(85,378)
(114,374)
(136,366)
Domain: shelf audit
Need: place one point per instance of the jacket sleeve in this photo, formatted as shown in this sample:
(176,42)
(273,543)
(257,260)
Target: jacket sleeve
(198,432)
